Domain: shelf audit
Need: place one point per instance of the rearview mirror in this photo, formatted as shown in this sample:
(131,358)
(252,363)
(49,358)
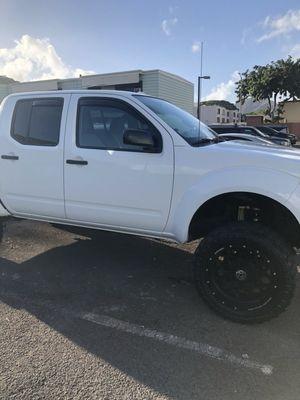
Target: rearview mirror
(139,137)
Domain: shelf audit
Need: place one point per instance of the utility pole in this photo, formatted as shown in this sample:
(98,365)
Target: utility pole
(200,83)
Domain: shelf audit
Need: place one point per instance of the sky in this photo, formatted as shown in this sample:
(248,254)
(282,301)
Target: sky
(60,39)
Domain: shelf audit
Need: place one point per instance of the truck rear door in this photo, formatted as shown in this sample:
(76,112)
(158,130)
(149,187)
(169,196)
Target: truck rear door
(31,149)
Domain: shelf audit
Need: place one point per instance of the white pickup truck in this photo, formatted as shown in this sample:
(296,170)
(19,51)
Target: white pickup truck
(132,163)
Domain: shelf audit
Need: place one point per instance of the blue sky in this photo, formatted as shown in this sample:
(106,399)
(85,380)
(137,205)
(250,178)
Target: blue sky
(41,39)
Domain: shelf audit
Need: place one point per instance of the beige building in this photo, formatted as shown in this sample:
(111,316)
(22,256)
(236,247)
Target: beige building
(291,114)
(156,83)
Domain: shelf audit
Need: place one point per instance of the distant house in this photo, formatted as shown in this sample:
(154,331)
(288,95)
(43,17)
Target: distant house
(218,112)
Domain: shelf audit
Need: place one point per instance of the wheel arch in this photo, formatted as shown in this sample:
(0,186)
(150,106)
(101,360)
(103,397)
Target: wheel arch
(244,206)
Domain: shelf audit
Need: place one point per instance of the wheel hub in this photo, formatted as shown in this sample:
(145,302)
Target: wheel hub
(241,275)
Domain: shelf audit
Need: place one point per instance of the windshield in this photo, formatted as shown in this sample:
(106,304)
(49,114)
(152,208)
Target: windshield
(185,124)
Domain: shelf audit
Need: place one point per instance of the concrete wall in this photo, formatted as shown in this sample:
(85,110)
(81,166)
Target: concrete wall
(291,114)
(209,114)
(5,86)
(254,120)
(292,111)
(4,91)
(35,86)
(169,87)
(69,84)
(116,78)
(151,83)
(294,127)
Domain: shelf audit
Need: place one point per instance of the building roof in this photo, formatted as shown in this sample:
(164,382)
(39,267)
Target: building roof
(6,80)
(221,103)
(104,75)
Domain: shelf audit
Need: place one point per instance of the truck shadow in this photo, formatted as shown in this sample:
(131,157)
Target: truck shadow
(137,280)
(132,279)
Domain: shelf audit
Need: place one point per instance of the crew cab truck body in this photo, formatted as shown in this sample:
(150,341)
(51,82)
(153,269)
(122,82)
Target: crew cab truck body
(132,163)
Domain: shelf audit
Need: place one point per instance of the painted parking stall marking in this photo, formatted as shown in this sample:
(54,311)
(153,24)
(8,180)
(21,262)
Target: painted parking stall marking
(179,342)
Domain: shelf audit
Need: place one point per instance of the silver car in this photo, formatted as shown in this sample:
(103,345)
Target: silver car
(250,138)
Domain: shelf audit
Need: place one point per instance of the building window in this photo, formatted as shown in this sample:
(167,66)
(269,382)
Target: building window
(218,120)
(234,114)
(227,113)
(227,120)
(223,120)
(219,111)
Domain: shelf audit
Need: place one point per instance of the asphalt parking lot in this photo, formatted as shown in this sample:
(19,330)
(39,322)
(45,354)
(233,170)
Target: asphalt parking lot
(97,315)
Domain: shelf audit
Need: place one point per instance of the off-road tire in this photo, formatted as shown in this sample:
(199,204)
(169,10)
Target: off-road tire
(250,251)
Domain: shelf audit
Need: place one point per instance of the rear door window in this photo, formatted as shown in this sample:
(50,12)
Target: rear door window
(36,122)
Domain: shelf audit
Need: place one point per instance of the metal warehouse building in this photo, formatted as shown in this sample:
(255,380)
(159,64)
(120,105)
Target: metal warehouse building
(153,82)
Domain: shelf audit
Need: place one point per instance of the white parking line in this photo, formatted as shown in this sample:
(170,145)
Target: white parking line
(201,348)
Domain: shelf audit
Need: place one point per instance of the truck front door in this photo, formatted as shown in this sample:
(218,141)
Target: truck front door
(111,184)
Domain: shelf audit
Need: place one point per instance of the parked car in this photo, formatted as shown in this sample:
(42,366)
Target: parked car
(246,138)
(280,128)
(249,130)
(274,133)
(136,164)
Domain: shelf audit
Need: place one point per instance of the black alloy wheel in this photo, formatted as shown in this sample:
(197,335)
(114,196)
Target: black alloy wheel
(245,272)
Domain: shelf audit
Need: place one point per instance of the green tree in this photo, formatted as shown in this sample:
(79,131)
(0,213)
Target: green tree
(277,81)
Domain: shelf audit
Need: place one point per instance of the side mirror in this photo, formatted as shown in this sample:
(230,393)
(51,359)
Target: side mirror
(138,137)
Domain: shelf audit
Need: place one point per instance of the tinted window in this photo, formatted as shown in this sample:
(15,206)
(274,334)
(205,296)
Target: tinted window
(248,131)
(267,130)
(252,131)
(101,124)
(37,122)
(21,119)
(237,138)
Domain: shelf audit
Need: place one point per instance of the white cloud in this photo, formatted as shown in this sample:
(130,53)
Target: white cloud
(244,38)
(168,24)
(295,51)
(196,47)
(225,90)
(33,59)
(281,25)
(172,9)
